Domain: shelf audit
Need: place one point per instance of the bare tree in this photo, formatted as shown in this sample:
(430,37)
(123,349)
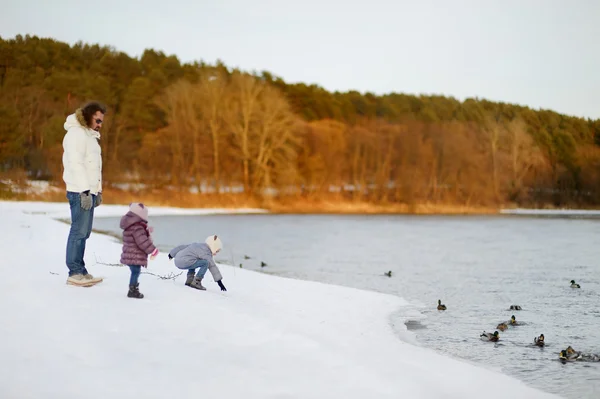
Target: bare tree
(276,139)
(184,130)
(493,129)
(241,115)
(326,146)
(213,95)
(525,155)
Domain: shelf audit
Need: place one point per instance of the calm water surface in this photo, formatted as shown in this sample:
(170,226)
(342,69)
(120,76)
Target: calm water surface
(477,266)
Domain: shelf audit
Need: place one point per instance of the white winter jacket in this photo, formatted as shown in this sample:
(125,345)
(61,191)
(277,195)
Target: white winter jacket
(82,157)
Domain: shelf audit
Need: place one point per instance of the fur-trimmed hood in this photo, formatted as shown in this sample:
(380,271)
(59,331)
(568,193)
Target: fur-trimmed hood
(77,120)
(129,219)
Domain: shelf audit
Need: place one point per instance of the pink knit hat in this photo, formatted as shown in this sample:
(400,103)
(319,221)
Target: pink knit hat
(139,209)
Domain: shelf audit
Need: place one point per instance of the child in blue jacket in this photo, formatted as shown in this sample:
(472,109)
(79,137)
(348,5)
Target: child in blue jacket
(199,255)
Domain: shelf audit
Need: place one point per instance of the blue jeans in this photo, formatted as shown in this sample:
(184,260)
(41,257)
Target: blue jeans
(135,274)
(81,228)
(201,265)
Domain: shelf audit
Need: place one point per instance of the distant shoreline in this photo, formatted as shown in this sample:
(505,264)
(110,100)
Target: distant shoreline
(331,208)
(290,205)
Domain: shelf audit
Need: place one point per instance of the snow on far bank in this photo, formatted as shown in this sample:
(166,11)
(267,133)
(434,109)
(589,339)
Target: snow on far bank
(61,209)
(266,337)
(552,212)
(31,186)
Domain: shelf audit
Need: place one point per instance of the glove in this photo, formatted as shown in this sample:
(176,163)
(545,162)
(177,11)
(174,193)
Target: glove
(153,254)
(86,200)
(220,282)
(98,200)
(170,257)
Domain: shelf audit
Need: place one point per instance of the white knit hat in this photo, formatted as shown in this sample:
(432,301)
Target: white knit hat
(139,209)
(214,243)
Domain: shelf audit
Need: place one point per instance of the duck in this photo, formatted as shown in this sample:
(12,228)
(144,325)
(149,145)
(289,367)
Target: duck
(513,320)
(389,274)
(569,354)
(440,306)
(572,355)
(502,326)
(574,284)
(490,337)
(570,351)
(539,341)
(515,307)
(565,357)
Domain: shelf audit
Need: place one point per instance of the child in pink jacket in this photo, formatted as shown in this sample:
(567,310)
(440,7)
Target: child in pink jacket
(137,245)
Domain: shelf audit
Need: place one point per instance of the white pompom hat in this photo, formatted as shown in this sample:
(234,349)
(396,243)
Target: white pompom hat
(214,243)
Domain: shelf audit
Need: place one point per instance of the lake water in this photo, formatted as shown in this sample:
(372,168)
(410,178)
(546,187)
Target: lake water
(478,267)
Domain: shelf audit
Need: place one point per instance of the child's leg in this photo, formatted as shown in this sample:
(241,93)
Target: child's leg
(135,274)
(202,266)
(134,291)
(190,276)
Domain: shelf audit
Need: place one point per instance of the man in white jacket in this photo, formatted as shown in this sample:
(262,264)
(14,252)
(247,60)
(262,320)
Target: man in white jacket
(82,163)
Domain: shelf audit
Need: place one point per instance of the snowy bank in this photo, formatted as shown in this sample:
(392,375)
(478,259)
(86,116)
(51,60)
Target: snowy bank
(61,209)
(552,212)
(266,337)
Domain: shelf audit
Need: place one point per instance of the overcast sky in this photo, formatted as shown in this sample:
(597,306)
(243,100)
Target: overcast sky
(539,53)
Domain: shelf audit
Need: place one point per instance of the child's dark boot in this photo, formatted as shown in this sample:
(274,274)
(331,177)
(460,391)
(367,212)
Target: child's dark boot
(134,291)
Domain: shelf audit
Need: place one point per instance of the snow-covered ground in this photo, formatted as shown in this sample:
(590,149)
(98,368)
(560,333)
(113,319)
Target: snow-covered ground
(266,337)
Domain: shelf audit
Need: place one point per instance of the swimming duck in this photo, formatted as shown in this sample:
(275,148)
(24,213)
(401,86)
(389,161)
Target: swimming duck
(490,337)
(572,355)
(389,274)
(440,306)
(565,357)
(515,307)
(502,326)
(569,354)
(513,321)
(574,284)
(571,351)
(539,341)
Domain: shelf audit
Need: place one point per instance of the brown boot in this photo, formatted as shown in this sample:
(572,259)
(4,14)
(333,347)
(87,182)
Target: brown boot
(197,284)
(190,279)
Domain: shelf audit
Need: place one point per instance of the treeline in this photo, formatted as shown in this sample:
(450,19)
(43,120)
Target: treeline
(174,125)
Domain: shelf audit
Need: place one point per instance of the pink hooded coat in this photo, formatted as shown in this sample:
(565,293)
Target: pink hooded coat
(137,243)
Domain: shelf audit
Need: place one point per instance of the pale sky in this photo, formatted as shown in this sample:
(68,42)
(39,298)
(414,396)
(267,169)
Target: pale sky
(539,53)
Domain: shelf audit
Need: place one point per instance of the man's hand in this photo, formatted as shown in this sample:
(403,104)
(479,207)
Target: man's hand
(98,200)
(86,200)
